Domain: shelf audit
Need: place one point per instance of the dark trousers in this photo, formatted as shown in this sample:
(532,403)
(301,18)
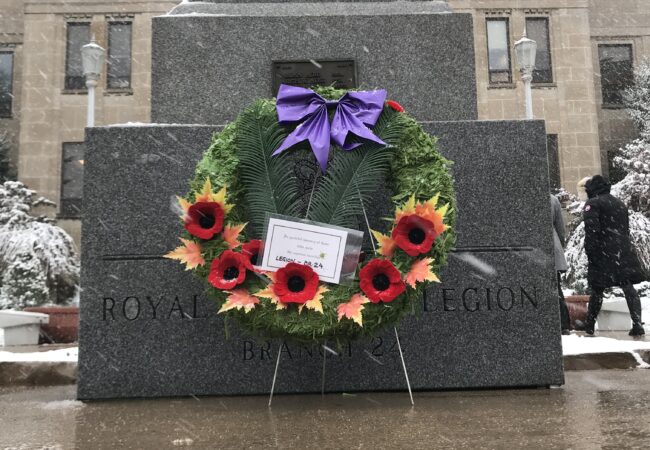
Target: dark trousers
(564,311)
(631,298)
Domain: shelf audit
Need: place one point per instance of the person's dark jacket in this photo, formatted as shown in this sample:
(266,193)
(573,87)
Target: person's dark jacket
(612,259)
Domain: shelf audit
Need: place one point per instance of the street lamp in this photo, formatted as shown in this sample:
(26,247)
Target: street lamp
(525,50)
(92,60)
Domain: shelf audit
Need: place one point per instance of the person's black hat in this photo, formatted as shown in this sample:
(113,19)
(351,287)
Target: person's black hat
(597,185)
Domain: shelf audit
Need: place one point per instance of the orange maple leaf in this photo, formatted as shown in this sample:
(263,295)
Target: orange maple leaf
(406,210)
(188,253)
(421,271)
(315,303)
(427,210)
(268,293)
(239,299)
(386,244)
(352,309)
(231,233)
(206,195)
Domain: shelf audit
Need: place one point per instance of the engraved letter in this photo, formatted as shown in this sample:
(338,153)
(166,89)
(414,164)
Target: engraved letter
(106,300)
(285,348)
(248,350)
(475,305)
(194,316)
(512,298)
(153,307)
(266,350)
(176,306)
(532,300)
(125,306)
(445,299)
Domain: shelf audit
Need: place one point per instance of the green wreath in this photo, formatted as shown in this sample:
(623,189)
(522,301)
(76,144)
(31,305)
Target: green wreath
(238,182)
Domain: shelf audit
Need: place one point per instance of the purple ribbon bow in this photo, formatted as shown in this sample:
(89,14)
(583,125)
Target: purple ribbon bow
(355,112)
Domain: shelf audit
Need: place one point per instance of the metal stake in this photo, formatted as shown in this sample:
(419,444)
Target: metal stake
(275,375)
(406,375)
(322,388)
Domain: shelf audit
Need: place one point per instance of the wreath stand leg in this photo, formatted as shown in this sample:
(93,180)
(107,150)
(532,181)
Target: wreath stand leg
(322,387)
(275,375)
(406,375)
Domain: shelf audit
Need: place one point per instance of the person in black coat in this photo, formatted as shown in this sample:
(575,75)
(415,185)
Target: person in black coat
(612,259)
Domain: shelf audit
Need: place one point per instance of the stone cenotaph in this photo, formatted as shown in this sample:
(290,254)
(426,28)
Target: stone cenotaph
(148,329)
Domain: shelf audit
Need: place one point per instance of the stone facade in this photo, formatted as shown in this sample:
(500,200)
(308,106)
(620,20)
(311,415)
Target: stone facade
(11,40)
(568,104)
(52,115)
(571,105)
(619,22)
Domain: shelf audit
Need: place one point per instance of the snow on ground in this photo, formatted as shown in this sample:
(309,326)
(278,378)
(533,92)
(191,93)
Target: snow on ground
(62,404)
(579,345)
(60,355)
(571,345)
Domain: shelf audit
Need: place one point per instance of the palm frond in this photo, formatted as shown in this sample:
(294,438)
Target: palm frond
(353,178)
(268,181)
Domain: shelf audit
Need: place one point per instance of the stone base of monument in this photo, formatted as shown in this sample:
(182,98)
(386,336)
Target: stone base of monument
(147,328)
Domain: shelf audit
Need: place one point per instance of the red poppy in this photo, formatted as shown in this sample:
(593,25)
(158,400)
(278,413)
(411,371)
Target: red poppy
(204,219)
(414,235)
(396,106)
(250,251)
(295,283)
(381,281)
(228,270)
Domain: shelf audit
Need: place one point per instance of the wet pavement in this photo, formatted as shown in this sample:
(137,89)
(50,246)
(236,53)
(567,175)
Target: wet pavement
(595,409)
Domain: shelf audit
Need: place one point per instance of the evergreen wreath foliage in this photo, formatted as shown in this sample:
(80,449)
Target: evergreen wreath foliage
(240,159)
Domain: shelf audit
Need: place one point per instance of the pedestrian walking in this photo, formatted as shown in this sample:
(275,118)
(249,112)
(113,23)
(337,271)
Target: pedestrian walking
(612,259)
(560,262)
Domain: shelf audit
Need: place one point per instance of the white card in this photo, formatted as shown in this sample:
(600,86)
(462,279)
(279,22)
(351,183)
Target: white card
(318,246)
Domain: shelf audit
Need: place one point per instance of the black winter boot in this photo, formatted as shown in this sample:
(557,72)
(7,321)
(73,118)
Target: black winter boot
(634,305)
(637,330)
(595,303)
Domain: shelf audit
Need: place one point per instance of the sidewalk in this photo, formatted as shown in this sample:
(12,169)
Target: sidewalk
(595,409)
(48,365)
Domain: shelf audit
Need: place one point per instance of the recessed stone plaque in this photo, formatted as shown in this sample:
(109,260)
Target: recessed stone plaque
(341,74)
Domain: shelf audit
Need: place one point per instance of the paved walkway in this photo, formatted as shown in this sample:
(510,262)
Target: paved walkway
(595,409)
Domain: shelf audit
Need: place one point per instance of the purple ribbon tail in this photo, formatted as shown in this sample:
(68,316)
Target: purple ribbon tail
(316,130)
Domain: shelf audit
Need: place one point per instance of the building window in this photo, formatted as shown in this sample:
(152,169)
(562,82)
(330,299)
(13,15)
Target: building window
(616,72)
(498,51)
(72,179)
(537,30)
(6,83)
(78,35)
(119,55)
(553,156)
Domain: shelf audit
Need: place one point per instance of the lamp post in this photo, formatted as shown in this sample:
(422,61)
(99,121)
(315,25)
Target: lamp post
(92,60)
(525,51)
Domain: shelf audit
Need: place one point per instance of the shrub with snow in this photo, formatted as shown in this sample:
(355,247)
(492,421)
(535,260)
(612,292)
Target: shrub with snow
(38,260)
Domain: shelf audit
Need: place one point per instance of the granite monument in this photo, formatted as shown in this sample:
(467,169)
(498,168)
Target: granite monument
(147,328)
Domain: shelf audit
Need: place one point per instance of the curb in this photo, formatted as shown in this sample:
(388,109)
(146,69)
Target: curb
(37,373)
(599,361)
(62,373)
